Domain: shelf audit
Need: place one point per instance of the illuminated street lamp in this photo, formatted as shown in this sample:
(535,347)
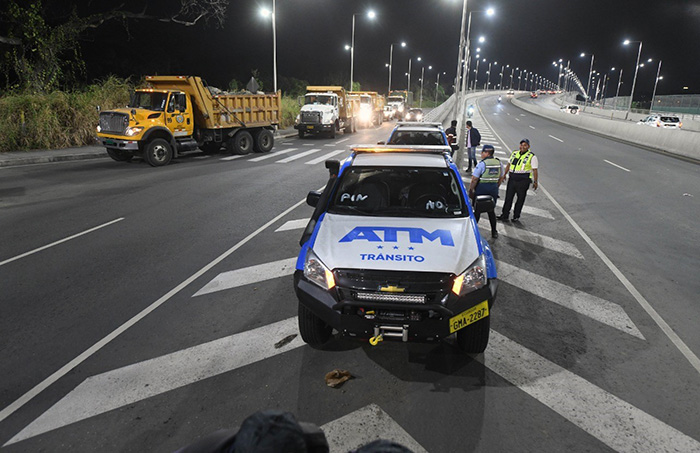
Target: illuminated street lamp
(391,62)
(267,13)
(370,15)
(656,81)
(437,85)
(636,69)
(422,76)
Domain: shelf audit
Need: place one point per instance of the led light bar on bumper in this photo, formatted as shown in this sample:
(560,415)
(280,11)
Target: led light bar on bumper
(380,297)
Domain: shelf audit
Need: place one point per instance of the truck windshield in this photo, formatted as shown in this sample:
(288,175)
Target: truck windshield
(394,99)
(398,192)
(319,99)
(148,100)
(366,100)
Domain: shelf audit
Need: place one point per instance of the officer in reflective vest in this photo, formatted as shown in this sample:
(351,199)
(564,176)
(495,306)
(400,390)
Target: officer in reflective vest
(486,178)
(522,171)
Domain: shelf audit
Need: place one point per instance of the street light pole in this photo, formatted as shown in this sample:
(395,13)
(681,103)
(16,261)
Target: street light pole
(617,93)
(634,81)
(391,63)
(658,71)
(488,78)
(422,76)
(352,52)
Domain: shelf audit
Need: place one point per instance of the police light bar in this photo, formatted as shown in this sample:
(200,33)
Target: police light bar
(425,149)
(417,123)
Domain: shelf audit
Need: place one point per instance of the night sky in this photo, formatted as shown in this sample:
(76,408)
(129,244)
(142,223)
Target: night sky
(311,35)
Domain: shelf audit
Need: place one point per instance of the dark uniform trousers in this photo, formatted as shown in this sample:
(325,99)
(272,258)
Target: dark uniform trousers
(518,183)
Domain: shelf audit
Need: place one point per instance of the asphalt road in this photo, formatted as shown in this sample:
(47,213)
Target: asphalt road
(167,324)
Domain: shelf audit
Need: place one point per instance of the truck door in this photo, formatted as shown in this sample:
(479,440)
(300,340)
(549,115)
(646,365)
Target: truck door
(178,115)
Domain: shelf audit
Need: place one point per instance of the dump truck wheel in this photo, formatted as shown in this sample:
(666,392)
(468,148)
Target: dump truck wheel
(313,330)
(301,133)
(333,128)
(210,147)
(474,338)
(158,152)
(119,156)
(241,143)
(264,141)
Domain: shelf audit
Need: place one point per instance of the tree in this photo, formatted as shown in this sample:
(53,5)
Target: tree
(39,43)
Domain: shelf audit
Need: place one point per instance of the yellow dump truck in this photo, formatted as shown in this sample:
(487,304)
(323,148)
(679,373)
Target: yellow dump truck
(371,110)
(325,109)
(178,114)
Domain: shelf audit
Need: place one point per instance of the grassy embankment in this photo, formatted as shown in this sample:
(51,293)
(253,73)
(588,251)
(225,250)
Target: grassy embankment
(65,119)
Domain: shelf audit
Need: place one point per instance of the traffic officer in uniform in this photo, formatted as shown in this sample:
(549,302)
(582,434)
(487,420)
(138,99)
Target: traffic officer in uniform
(522,171)
(486,178)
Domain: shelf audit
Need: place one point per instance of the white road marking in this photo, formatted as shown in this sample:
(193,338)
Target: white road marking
(298,156)
(330,144)
(248,275)
(325,157)
(673,336)
(293,225)
(343,140)
(275,154)
(31,252)
(65,369)
(363,426)
(308,144)
(238,156)
(201,157)
(132,383)
(286,143)
(522,114)
(615,165)
(556,245)
(502,153)
(613,421)
(531,127)
(558,139)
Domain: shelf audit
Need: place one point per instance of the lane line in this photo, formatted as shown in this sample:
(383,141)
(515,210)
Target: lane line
(517,119)
(298,156)
(531,127)
(132,383)
(233,157)
(325,157)
(275,154)
(663,325)
(21,401)
(613,421)
(31,252)
(343,140)
(615,165)
(248,275)
(293,225)
(593,307)
(558,139)
(331,145)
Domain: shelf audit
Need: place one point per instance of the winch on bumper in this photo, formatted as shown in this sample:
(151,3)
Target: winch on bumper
(426,310)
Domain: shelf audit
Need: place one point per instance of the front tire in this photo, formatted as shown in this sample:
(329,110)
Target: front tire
(313,330)
(119,156)
(241,143)
(333,129)
(264,141)
(473,339)
(158,152)
(301,133)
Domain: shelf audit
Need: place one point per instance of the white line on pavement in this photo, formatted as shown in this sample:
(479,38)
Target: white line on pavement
(547,242)
(298,156)
(330,144)
(248,275)
(65,369)
(308,144)
(275,154)
(132,383)
(9,260)
(233,157)
(365,425)
(675,339)
(531,127)
(325,157)
(201,157)
(558,139)
(293,225)
(517,119)
(615,165)
(343,140)
(586,304)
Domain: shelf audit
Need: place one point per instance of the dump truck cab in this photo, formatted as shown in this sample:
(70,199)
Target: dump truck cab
(325,109)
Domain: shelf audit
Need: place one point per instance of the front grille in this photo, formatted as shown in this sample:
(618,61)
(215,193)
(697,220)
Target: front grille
(311,117)
(408,287)
(113,123)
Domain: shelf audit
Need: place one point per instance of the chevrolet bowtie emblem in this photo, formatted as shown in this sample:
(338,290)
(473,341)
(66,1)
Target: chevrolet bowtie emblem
(391,289)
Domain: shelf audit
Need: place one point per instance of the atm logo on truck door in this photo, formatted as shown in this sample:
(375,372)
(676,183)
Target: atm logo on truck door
(391,234)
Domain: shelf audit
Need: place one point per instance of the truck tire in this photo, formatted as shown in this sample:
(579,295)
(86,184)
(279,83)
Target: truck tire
(158,152)
(120,156)
(349,128)
(301,133)
(473,339)
(241,143)
(264,141)
(313,330)
(210,147)
(333,128)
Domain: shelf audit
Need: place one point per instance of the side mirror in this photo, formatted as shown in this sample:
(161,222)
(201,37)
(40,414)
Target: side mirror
(98,108)
(300,101)
(454,147)
(484,203)
(313,197)
(333,167)
(133,112)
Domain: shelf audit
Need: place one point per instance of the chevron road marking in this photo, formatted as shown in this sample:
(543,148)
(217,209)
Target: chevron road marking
(233,157)
(293,225)
(298,156)
(363,426)
(547,242)
(585,304)
(325,157)
(271,155)
(248,275)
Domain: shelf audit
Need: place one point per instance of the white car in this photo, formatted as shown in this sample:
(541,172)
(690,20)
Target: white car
(573,109)
(510,93)
(662,120)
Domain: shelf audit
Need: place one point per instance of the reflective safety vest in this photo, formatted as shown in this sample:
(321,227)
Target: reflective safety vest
(492,172)
(521,163)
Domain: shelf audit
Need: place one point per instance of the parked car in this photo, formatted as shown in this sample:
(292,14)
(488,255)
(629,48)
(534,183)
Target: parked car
(510,93)
(533,95)
(414,115)
(572,108)
(662,120)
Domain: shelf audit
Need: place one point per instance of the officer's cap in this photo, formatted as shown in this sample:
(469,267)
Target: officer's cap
(525,140)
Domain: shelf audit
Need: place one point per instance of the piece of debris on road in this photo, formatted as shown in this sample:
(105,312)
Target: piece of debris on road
(336,378)
(285,341)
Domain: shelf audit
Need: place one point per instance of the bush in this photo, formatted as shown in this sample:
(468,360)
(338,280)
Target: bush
(290,110)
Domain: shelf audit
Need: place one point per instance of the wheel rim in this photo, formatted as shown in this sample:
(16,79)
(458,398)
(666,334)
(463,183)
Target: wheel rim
(159,153)
(265,141)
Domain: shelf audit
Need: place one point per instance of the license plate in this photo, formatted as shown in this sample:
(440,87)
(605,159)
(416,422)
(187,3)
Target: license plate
(470,316)
(309,127)
(110,142)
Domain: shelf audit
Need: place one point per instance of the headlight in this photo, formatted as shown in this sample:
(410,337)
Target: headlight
(317,272)
(131,131)
(298,119)
(401,108)
(472,279)
(99,129)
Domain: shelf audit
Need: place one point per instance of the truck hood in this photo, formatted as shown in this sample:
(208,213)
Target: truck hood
(323,108)
(141,114)
(394,243)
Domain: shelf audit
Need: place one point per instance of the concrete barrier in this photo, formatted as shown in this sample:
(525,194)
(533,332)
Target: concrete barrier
(680,143)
